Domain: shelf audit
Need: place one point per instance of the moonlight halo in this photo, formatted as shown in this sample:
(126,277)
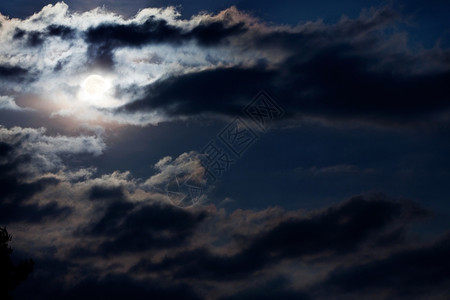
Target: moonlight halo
(97,90)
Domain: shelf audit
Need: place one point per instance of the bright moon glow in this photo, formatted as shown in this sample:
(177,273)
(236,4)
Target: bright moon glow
(95,85)
(96,91)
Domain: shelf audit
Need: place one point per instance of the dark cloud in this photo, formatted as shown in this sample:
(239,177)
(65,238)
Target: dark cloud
(420,272)
(163,217)
(101,56)
(19,34)
(347,87)
(222,91)
(274,289)
(332,84)
(16,189)
(99,192)
(13,186)
(130,227)
(32,38)
(338,235)
(213,33)
(345,71)
(332,233)
(124,287)
(46,283)
(201,263)
(14,193)
(340,229)
(366,28)
(111,220)
(64,32)
(159,31)
(37,38)
(115,205)
(59,65)
(152,227)
(133,35)
(5,149)
(105,38)
(356,69)
(9,72)
(31,213)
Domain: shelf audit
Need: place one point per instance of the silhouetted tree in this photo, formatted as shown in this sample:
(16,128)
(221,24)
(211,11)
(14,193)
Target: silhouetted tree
(11,275)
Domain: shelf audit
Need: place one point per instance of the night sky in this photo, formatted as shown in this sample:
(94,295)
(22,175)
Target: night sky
(227,149)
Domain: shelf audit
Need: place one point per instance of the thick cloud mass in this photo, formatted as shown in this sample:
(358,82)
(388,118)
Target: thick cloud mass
(26,155)
(176,68)
(363,239)
(332,233)
(100,230)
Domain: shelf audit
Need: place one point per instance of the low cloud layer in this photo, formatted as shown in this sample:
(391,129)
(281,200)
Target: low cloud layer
(91,231)
(205,252)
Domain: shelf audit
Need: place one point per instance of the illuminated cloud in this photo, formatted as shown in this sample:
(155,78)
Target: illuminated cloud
(160,67)
(8,103)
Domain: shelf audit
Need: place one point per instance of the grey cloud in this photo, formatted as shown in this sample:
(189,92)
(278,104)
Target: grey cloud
(348,71)
(15,192)
(37,38)
(10,72)
(337,82)
(26,157)
(392,275)
(131,228)
(45,152)
(331,234)
(8,103)
(344,71)
(185,247)
(105,38)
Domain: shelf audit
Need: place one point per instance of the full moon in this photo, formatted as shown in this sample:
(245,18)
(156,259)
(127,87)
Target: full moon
(95,85)
(96,91)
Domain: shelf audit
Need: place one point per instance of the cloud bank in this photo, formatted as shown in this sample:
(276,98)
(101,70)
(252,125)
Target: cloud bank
(88,232)
(163,67)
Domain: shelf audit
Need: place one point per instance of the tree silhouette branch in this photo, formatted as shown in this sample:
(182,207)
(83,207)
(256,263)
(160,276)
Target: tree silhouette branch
(11,275)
